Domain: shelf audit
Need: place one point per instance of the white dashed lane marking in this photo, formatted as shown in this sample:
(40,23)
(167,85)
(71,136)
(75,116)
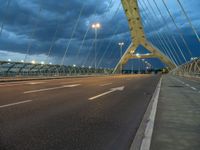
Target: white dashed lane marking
(193,88)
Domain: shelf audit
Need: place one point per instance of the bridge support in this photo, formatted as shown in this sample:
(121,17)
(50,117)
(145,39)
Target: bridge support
(138,38)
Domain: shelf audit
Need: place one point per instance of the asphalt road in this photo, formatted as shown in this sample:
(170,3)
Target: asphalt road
(94,113)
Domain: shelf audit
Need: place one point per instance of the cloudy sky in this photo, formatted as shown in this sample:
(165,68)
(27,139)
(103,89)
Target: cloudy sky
(45,30)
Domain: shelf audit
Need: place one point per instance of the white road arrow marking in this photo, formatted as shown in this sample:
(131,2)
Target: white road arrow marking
(53,88)
(108,92)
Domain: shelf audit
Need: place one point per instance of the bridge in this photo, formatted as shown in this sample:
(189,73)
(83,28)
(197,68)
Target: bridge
(103,75)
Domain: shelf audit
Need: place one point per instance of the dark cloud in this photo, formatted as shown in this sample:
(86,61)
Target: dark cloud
(36,23)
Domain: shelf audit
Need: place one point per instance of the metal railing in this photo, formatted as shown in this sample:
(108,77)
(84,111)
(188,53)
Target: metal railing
(28,70)
(189,69)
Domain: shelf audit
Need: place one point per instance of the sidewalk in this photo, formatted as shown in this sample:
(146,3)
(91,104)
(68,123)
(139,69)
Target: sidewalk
(177,123)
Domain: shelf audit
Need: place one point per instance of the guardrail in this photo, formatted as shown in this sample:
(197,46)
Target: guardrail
(189,69)
(19,70)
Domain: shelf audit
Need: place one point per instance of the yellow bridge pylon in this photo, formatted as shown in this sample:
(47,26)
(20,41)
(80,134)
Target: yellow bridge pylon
(138,38)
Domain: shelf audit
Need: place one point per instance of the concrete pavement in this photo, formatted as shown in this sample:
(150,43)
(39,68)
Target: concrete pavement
(177,124)
(58,114)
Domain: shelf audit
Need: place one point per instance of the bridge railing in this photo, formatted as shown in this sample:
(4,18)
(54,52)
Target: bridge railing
(189,69)
(29,70)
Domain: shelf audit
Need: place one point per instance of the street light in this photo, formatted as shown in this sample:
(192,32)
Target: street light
(96,26)
(121,44)
(33,61)
(138,55)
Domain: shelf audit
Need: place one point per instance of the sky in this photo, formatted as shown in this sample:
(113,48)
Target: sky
(46,30)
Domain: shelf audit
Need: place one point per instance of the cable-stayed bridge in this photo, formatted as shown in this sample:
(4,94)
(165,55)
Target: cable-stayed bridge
(112,75)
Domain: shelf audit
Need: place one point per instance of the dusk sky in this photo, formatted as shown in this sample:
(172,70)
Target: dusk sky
(48,27)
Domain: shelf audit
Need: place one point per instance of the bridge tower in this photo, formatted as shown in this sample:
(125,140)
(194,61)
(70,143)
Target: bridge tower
(138,38)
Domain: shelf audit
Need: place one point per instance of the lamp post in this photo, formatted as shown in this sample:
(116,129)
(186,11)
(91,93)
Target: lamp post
(138,56)
(95,26)
(74,66)
(132,68)
(143,66)
(121,44)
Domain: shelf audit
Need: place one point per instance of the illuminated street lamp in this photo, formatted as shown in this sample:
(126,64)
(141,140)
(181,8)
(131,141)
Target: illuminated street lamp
(138,55)
(96,26)
(121,44)
(33,61)
(74,65)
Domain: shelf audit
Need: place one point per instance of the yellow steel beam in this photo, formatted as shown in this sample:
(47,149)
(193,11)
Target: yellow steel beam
(138,37)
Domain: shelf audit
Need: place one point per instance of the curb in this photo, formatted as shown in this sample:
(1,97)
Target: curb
(142,139)
(47,78)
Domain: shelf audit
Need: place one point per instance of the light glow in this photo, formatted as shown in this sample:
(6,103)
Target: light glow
(96,25)
(138,55)
(121,43)
(33,61)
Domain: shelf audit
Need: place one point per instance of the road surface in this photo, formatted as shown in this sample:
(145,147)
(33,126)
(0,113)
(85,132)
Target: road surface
(94,113)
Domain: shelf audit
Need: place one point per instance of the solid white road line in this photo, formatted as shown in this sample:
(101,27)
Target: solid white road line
(70,82)
(53,88)
(105,84)
(146,142)
(187,85)
(193,88)
(11,84)
(17,103)
(105,93)
(34,83)
(22,83)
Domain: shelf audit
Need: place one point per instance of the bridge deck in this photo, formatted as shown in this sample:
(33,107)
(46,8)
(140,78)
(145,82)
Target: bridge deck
(177,122)
(45,115)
